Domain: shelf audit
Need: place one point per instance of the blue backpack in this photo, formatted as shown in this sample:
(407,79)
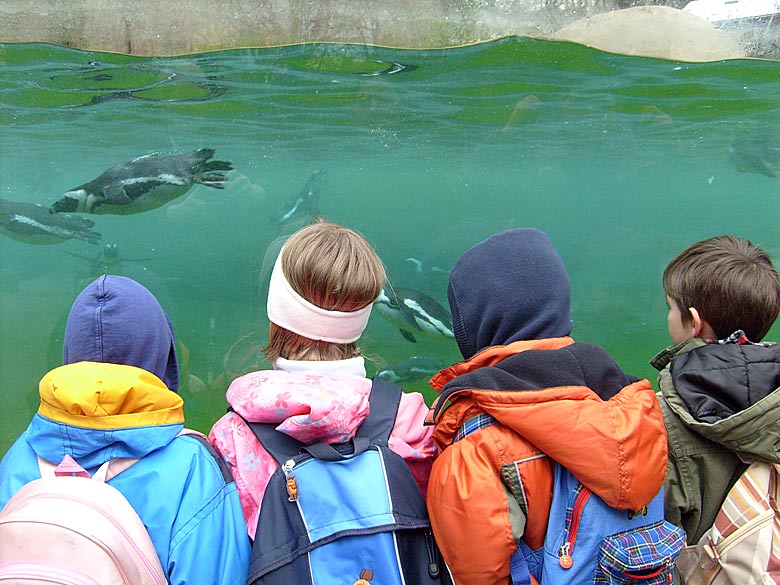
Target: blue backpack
(348,514)
(588,541)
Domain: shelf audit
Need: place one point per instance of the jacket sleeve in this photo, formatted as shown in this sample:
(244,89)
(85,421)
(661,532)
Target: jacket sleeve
(209,543)
(486,492)
(412,439)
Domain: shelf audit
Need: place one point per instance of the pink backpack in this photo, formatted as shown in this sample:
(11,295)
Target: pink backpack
(71,529)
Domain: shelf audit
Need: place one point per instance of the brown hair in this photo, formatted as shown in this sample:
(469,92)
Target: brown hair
(335,268)
(730,282)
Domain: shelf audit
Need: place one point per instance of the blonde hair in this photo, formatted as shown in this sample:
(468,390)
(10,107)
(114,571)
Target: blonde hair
(335,268)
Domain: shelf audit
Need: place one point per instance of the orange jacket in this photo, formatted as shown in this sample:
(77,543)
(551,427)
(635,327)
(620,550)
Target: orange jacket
(493,487)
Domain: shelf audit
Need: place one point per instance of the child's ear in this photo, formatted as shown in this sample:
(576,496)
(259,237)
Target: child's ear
(700,327)
(697,321)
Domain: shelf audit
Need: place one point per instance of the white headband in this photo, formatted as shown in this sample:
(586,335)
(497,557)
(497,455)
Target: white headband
(286,308)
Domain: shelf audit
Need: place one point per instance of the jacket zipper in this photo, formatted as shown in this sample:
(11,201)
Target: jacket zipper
(433,565)
(567,548)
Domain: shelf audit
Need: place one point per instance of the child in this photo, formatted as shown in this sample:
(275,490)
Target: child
(323,284)
(116,397)
(526,396)
(719,387)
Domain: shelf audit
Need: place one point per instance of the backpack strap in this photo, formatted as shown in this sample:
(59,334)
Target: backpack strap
(376,428)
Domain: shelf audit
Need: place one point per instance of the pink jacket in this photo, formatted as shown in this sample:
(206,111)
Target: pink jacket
(309,406)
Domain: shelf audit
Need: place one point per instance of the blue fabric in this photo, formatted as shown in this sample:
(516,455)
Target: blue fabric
(337,562)
(53,440)
(518,568)
(511,287)
(324,506)
(116,320)
(475,423)
(598,521)
(185,503)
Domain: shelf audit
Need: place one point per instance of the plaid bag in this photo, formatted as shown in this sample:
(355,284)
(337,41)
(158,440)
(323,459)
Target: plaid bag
(743,545)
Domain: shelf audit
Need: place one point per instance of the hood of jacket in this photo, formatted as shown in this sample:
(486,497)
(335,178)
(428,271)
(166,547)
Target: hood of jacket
(308,406)
(98,411)
(575,404)
(512,286)
(726,392)
(116,320)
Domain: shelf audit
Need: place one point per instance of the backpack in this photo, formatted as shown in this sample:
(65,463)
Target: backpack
(587,541)
(348,514)
(71,529)
(743,545)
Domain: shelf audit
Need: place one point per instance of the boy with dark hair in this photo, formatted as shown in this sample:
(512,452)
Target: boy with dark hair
(718,385)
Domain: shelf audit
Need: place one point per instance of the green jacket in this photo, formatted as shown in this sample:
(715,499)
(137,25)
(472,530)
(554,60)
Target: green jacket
(721,407)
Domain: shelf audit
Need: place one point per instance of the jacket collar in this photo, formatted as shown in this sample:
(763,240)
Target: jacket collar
(664,357)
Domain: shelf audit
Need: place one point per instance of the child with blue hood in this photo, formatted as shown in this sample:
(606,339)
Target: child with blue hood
(115,397)
(527,396)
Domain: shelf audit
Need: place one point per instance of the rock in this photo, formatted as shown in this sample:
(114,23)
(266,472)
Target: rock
(653,31)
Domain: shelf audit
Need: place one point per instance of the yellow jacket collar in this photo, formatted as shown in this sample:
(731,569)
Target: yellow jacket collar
(107,396)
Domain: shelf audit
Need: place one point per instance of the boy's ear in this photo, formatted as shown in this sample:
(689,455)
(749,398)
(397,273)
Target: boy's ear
(700,327)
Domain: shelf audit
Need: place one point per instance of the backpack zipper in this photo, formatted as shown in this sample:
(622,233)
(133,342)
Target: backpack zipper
(292,484)
(567,548)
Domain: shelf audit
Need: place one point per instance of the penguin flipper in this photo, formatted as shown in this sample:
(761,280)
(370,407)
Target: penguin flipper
(115,195)
(407,335)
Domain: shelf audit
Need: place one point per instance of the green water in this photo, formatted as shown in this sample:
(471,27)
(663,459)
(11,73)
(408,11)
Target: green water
(623,160)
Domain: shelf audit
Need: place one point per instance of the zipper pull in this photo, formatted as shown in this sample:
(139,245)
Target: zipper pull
(433,565)
(292,485)
(564,559)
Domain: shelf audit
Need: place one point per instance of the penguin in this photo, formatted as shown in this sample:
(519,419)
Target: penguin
(304,207)
(414,313)
(33,224)
(411,369)
(145,183)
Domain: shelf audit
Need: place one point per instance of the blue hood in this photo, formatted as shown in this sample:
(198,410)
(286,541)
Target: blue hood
(511,287)
(118,321)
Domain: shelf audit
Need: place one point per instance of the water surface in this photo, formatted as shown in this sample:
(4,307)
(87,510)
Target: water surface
(623,160)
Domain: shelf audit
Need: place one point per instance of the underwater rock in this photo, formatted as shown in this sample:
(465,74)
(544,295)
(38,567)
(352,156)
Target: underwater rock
(145,183)
(33,224)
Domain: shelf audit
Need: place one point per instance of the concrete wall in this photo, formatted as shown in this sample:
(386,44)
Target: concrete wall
(172,27)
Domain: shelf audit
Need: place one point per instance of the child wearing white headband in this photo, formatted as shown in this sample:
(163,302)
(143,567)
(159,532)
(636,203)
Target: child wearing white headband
(319,301)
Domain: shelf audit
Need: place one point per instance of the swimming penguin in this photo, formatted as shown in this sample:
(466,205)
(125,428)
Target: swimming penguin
(301,209)
(107,261)
(145,183)
(760,156)
(414,313)
(411,369)
(33,224)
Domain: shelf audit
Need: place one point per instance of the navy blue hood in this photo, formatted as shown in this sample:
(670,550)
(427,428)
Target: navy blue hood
(118,321)
(511,287)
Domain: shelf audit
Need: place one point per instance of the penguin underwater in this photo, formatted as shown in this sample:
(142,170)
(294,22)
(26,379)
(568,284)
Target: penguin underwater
(414,313)
(33,224)
(145,183)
